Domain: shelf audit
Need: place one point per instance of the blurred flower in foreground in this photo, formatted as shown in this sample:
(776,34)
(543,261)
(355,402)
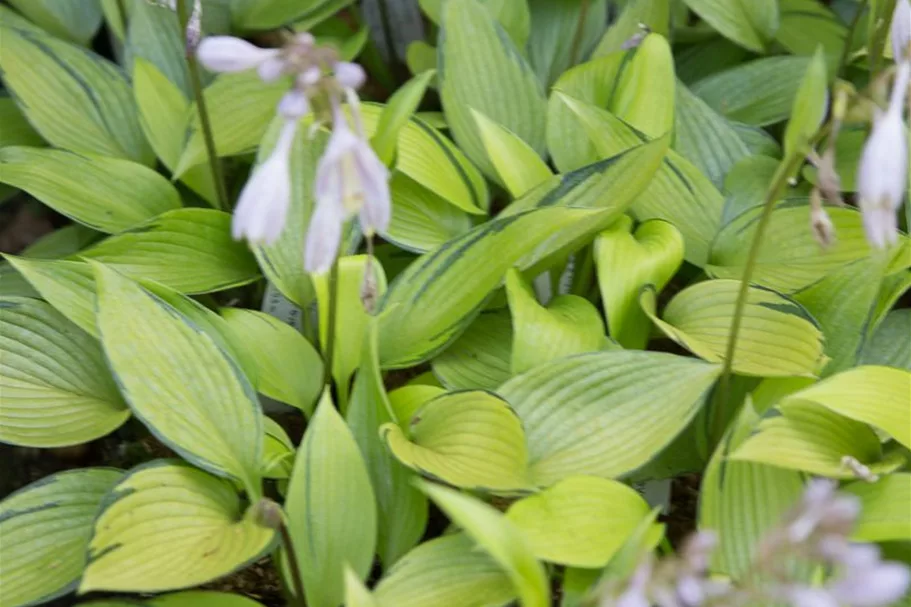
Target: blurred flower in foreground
(350,178)
(816,530)
(901,31)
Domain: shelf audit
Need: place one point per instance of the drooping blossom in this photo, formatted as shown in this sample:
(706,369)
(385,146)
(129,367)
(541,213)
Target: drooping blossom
(882,176)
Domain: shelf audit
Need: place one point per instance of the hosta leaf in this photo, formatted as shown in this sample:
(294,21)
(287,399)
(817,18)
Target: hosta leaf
(431,159)
(356,594)
(888,345)
(734,94)
(516,164)
(57,390)
(606,413)
(581,521)
(399,109)
(746,184)
(106,194)
(467,439)
(352,319)
(568,325)
(848,149)
(655,15)
(778,337)
(331,508)
(552,24)
(240,109)
(749,23)
(404,402)
(878,396)
(163,111)
(178,381)
(813,439)
(401,508)
(625,264)
(706,138)
(742,501)
(270,14)
(76,21)
(443,572)
(190,250)
(843,303)
(421,219)
(167,525)
(697,207)
(438,295)
(46,528)
(278,451)
(498,537)
(790,258)
(75,99)
(477,63)
(512,16)
(884,508)
(16,129)
(806,25)
(644,93)
(288,368)
(809,107)
(481,358)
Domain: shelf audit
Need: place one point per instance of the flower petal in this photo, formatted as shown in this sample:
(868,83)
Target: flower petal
(230,54)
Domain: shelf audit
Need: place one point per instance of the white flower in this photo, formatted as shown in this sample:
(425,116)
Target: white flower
(901,30)
(882,176)
(349,75)
(635,594)
(867,581)
(350,179)
(263,205)
(811,597)
(230,54)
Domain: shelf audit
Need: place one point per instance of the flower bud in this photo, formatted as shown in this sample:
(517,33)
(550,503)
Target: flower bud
(349,75)
(266,513)
(230,54)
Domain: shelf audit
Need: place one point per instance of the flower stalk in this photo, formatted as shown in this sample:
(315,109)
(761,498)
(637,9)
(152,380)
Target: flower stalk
(221,191)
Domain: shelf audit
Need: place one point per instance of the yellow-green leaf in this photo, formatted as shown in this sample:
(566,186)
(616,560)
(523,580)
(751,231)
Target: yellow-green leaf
(477,64)
(421,219)
(443,572)
(568,325)
(778,337)
(404,402)
(499,538)
(76,21)
(790,258)
(106,194)
(813,439)
(399,109)
(879,396)
(809,107)
(163,111)
(481,358)
(179,382)
(46,528)
(202,598)
(517,165)
(644,93)
(653,14)
(606,413)
(352,318)
(467,439)
(331,508)
(57,390)
(278,451)
(288,367)
(166,526)
(74,98)
(884,508)
(581,521)
(749,23)
(888,345)
(190,250)
(626,262)
(401,508)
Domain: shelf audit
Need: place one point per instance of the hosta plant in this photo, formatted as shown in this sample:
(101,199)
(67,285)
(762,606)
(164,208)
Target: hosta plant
(456,303)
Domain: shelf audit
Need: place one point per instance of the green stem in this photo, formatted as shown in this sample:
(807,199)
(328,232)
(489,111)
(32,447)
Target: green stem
(293,565)
(577,39)
(329,347)
(779,182)
(196,82)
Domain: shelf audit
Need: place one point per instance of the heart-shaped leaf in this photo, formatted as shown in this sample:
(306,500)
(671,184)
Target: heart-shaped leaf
(628,262)
(467,439)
